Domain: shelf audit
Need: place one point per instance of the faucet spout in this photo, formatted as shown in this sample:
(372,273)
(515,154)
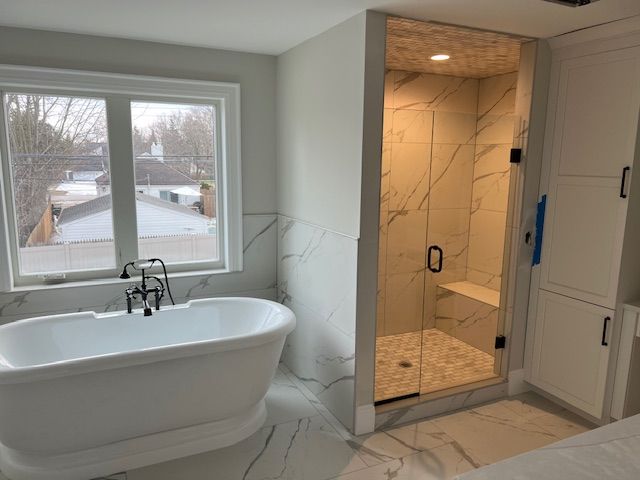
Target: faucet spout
(147,308)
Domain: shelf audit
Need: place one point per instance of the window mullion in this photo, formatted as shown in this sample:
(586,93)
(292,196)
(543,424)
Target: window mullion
(6,231)
(123,193)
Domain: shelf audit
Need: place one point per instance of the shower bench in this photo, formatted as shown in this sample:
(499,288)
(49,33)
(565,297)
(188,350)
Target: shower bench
(468,312)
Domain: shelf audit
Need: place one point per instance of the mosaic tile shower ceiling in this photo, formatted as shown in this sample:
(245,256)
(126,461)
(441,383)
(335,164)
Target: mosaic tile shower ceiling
(474,53)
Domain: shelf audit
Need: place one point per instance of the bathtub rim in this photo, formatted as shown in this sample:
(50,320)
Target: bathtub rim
(10,375)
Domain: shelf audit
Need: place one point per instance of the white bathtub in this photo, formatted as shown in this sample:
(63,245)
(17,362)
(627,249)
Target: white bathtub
(84,395)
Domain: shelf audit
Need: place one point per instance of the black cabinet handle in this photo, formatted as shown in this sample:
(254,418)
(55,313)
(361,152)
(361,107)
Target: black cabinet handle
(625,170)
(604,342)
(434,248)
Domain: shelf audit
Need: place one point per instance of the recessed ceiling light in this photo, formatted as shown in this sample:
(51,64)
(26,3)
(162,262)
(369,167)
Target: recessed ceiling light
(440,57)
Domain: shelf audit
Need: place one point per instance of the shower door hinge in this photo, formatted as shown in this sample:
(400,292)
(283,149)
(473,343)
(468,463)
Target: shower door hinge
(516,155)
(501,342)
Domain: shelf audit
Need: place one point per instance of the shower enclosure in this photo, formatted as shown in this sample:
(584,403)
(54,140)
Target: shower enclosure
(447,138)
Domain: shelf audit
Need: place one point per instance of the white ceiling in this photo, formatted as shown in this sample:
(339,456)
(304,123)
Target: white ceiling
(274,26)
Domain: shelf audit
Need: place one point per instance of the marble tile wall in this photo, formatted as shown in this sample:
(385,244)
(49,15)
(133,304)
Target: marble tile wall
(427,173)
(317,272)
(489,199)
(258,279)
(467,319)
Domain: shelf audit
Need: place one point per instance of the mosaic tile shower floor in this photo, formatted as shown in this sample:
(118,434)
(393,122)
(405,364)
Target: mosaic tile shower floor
(446,362)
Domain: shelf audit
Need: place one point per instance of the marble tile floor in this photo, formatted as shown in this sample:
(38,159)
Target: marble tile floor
(303,441)
(446,362)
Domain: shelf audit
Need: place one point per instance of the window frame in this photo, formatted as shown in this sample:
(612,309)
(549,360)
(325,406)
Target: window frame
(118,92)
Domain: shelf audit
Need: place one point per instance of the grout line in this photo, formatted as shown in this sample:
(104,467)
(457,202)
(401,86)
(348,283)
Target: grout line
(317,226)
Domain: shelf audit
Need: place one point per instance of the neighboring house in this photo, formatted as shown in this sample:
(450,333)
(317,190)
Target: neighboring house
(158,179)
(79,183)
(86,168)
(69,193)
(92,220)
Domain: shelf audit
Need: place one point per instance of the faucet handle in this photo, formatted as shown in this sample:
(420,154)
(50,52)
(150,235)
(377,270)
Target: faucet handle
(159,293)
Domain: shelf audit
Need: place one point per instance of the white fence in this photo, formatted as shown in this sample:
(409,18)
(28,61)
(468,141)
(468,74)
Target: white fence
(91,255)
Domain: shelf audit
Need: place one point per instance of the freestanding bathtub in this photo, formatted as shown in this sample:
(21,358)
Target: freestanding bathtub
(85,395)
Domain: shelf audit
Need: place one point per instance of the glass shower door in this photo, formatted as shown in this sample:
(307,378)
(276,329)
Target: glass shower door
(460,317)
(406,164)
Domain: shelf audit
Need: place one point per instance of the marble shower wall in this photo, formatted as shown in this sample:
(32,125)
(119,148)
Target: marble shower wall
(427,174)
(317,271)
(489,201)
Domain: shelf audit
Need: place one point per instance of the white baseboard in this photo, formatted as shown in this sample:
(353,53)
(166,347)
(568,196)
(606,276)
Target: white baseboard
(516,383)
(365,420)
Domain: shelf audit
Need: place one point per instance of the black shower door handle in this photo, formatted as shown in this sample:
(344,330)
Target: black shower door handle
(434,248)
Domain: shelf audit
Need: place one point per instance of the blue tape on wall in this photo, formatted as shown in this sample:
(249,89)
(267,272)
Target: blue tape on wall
(537,249)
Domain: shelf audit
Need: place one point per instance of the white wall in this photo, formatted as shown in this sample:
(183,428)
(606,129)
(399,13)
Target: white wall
(320,105)
(257,77)
(321,165)
(531,102)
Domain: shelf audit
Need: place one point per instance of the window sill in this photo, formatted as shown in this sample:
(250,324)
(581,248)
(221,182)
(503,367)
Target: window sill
(112,281)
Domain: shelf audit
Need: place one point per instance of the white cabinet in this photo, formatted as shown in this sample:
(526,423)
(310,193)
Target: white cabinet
(596,111)
(571,350)
(593,137)
(589,153)
(626,386)
(583,237)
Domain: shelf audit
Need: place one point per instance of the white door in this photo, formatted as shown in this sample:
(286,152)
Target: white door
(571,351)
(593,133)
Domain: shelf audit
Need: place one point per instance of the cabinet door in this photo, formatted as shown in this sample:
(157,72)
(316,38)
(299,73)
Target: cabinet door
(583,238)
(597,114)
(570,350)
(593,135)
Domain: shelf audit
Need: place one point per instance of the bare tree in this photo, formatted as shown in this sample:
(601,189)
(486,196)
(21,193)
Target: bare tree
(188,139)
(141,143)
(47,135)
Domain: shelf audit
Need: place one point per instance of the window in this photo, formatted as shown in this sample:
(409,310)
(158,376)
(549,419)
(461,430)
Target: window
(98,170)
(56,145)
(175,171)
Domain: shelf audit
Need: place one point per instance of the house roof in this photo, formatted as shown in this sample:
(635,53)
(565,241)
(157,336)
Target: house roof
(85,209)
(151,171)
(103,203)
